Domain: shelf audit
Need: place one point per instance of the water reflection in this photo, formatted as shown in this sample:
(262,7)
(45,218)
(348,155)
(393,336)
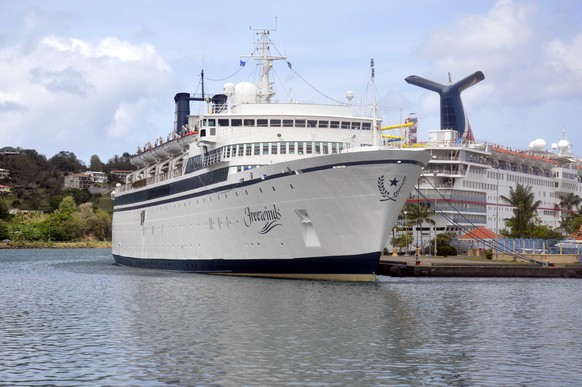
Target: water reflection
(73,318)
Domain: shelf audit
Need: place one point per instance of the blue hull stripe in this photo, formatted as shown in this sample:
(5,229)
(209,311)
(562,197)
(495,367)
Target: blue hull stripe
(139,195)
(350,264)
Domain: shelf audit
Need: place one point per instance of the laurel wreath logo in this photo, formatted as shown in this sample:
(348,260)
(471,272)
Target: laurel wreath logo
(385,193)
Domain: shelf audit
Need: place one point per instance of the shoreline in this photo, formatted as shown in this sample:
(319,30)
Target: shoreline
(56,245)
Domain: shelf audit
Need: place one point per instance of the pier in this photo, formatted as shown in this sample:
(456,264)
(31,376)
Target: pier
(406,266)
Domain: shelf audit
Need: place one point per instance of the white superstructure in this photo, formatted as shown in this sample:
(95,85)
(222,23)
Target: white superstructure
(464,181)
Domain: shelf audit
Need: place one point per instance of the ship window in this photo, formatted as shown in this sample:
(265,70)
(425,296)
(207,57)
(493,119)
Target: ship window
(265,149)
(291,148)
(334,124)
(287,123)
(263,122)
(249,122)
(213,131)
(236,122)
(317,148)
(257,149)
(308,148)
(276,123)
(283,148)
(209,122)
(248,150)
(356,125)
(345,125)
(299,148)
(324,149)
(223,122)
(240,149)
(300,123)
(202,132)
(323,124)
(311,123)
(366,126)
(274,149)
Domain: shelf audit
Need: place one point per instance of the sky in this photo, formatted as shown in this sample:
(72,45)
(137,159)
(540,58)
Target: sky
(99,77)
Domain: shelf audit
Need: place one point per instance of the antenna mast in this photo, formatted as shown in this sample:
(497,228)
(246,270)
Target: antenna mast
(265,60)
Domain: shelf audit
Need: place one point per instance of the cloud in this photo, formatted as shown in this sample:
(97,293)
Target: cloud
(67,80)
(513,45)
(65,93)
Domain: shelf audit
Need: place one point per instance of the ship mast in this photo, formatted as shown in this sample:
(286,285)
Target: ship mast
(374,104)
(265,61)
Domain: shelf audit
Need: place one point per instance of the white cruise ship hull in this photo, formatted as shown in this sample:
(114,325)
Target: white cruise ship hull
(324,217)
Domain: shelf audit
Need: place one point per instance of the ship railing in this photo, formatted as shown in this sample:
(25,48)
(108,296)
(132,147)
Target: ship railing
(212,157)
(150,180)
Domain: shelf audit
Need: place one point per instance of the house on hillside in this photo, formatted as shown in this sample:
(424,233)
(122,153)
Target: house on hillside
(121,174)
(97,177)
(78,180)
(4,173)
(8,150)
(4,188)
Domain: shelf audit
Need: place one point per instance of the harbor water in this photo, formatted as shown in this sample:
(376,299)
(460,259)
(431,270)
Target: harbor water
(74,318)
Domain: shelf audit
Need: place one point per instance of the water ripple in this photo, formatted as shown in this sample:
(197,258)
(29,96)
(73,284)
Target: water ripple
(71,318)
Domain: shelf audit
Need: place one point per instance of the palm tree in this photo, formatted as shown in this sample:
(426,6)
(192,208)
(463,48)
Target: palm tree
(568,202)
(570,209)
(525,209)
(418,214)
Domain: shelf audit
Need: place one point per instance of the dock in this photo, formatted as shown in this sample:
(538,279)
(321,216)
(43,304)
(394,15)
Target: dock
(406,266)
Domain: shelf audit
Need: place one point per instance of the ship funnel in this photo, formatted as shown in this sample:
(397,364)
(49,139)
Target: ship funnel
(182,111)
(452,113)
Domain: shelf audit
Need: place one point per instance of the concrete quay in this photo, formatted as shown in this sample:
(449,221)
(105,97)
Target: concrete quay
(406,266)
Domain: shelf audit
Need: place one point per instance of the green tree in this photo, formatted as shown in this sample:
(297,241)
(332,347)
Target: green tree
(68,205)
(417,214)
(95,164)
(524,212)
(402,241)
(570,208)
(4,210)
(4,230)
(65,161)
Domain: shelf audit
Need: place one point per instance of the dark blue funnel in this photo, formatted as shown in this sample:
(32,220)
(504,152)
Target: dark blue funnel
(182,111)
(452,112)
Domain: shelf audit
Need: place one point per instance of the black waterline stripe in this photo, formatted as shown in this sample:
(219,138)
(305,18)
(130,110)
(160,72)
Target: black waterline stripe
(247,183)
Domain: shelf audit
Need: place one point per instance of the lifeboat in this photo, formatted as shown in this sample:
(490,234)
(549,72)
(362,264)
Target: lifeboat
(188,138)
(137,161)
(160,152)
(172,147)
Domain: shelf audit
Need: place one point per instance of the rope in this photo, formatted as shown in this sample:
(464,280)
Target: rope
(230,76)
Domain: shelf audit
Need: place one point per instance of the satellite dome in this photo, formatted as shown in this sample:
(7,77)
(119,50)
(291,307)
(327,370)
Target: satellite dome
(563,144)
(229,88)
(538,144)
(245,92)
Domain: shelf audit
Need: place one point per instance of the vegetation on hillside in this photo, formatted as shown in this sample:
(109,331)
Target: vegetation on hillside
(38,208)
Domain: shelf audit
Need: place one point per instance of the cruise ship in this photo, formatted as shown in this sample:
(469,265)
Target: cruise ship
(466,177)
(251,186)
